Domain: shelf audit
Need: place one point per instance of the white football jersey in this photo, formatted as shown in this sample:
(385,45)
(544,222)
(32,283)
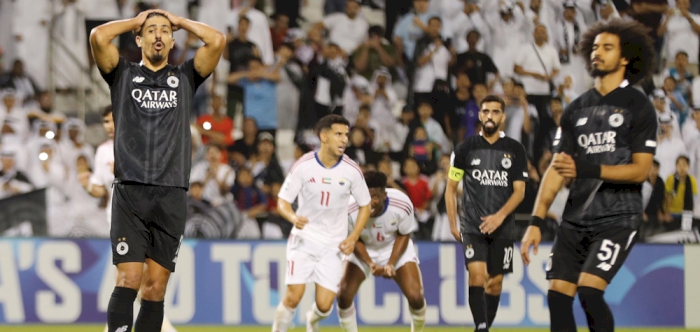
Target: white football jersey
(323,196)
(397,219)
(102,174)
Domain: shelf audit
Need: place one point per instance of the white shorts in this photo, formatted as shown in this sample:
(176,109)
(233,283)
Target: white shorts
(381,258)
(308,261)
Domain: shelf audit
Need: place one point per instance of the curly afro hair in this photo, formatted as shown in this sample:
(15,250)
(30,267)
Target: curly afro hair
(636,46)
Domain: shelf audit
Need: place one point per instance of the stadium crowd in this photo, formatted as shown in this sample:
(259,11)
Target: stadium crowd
(408,75)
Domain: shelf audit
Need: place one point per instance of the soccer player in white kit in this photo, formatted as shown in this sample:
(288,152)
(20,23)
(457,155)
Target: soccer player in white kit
(99,183)
(385,249)
(323,180)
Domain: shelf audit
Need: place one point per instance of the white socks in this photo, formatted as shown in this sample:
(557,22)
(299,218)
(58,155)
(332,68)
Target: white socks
(314,316)
(348,318)
(418,319)
(167,325)
(283,317)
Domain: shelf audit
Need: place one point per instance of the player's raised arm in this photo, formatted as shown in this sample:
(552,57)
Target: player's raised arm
(207,56)
(105,53)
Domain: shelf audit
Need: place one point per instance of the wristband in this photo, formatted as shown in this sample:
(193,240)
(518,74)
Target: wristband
(538,222)
(586,170)
(89,188)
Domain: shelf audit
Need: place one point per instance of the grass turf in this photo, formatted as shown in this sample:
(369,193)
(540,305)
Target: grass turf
(100,328)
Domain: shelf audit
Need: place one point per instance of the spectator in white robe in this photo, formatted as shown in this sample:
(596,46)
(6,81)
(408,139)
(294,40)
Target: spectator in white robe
(661,104)
(681,30)
(12,180)
(215,13)
(73,144)
(47,171)
(567,35)
(669,148)
(30,25)
(259,31)
(510,29)
(70,52)
(467,19)
(348,30)
(14,123)
(385,97)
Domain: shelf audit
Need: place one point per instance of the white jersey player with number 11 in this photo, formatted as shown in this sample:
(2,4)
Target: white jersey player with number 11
(323,181)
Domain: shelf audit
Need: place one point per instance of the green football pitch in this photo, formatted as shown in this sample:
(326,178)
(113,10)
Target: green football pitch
(100,328)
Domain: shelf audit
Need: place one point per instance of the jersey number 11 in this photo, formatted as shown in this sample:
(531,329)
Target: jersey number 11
(325,197)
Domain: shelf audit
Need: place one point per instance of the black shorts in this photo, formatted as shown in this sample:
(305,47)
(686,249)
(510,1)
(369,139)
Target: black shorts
(497,253)
(598,252)
(147,222)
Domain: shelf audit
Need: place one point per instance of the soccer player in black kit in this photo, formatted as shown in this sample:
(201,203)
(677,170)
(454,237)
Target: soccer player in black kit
(493,169)
(151,107)
(605,144)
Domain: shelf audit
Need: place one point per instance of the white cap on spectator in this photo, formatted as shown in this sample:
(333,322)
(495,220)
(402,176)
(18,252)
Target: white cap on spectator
(659,94)
(294,34)
(665,119)
(570,4)
(265,136)
(359,82)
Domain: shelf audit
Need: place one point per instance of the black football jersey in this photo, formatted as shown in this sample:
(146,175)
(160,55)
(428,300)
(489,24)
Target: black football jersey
(489,173)
(152,139)
(606,130)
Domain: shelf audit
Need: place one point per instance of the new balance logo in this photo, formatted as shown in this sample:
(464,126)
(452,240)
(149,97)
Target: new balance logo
(138,79)
(604,266)
(312,180)
(476,162)
(122,329)
(481,326)
(581,122)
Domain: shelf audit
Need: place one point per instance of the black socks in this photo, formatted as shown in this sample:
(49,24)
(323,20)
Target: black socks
(598,314)
(120,312)
(150,317)
(561,312)
(477,303)
(492,302)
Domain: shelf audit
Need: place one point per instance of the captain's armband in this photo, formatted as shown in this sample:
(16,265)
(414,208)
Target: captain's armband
(455,174)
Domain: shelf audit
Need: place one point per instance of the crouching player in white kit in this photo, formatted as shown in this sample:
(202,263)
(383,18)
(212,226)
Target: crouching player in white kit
(99,183)
(324,181)
(385,249)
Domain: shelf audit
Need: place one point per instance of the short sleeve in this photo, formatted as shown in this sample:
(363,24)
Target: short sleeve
(518,171)
(489,66)
(458,157)
(98,175)
(194,77)
(643,129)
(564,137)
(408,224)
(291,186)
(198,173)
(521,57)
(457,162)
(555,59)
(360,191)
(112,77)
(669,184)
(330,21)
(230,177)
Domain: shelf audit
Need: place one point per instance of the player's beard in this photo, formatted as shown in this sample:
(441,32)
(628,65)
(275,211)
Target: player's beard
(490,131)
(598,72)
(157,57)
